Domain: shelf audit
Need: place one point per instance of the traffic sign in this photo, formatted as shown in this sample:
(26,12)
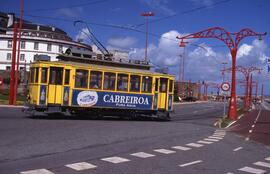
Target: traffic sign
(225,86)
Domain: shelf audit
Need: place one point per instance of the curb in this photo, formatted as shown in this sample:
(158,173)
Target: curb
(186,103)
(12,106)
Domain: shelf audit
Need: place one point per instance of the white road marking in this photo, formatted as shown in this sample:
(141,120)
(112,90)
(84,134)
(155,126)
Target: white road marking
(194,145)
(219,135)
(142,155)
(164,151)
(250,131)
(81,166)
(205,142)
(181,148)
(210,139)
(220,138)
(190,163)
(220,130)
(229,173)
(115,159)
(238,148)
(263,164)
(253,125)
(252,170)
(268,158)
(37,171)
(247,138)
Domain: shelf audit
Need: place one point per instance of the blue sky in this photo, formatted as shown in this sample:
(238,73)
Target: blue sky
(178,17)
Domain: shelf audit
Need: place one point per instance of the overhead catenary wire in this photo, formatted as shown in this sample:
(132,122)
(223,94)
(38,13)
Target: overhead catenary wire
(69,6)
(184,12)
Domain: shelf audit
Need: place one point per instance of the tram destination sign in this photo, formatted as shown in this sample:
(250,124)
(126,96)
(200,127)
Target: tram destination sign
(111,99)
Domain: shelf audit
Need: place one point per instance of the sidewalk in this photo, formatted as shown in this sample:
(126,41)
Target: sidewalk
(254,126)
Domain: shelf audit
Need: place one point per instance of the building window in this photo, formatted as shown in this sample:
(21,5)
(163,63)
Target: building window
(109,81)
(22,44)
(8,56)
(122,82)
(147,84)
(135,82)
(49,47)
(95,79)
(35,45)
(81,78)
(22,57)
(21,68)
(8,68)
(9,45)
(60,48)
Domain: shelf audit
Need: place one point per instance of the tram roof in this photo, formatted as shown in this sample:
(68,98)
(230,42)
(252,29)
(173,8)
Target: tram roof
(106,67)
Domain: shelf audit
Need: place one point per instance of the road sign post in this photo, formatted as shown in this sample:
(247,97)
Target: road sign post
(225,87)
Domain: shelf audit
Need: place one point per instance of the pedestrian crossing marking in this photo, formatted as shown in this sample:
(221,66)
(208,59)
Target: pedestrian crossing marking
(37,171)
(164,151)
(81,166)
(252,170)
(115,159)
(181,148)
(143,155)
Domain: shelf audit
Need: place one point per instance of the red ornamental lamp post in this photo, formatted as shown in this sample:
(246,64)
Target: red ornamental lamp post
(232,41)
(246,72)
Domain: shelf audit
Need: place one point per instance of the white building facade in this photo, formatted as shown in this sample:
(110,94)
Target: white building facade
(35,40)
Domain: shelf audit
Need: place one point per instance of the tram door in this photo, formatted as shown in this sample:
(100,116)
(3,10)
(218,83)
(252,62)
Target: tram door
(163,93)
(55,86)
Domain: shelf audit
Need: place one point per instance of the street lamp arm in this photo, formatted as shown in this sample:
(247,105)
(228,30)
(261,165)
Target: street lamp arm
(214,32)
(245,33)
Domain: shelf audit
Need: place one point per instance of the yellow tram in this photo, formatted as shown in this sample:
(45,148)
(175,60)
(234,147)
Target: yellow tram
(97,88)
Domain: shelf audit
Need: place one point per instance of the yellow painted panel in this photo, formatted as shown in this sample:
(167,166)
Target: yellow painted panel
(34,94)
(51,93)
(59,93)
(162,100)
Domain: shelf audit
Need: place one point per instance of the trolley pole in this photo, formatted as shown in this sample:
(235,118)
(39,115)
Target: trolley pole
(12,71)
(146,15)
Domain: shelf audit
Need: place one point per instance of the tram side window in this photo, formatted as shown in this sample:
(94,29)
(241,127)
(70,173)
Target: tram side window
(109,81)
(36,75)
(163,85)
(95,79)
(56,76)
(81,78)
(44,74)
(135,81)
(171,86)
(147,84)
(32,75)
(122,82)
(67,74)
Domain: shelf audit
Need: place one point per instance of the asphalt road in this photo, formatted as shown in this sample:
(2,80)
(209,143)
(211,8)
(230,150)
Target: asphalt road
(184,145)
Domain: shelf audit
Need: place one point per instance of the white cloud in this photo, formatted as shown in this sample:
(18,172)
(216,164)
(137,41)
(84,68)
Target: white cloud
(244,50)
(83,35)
(70,12)
(122,42)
